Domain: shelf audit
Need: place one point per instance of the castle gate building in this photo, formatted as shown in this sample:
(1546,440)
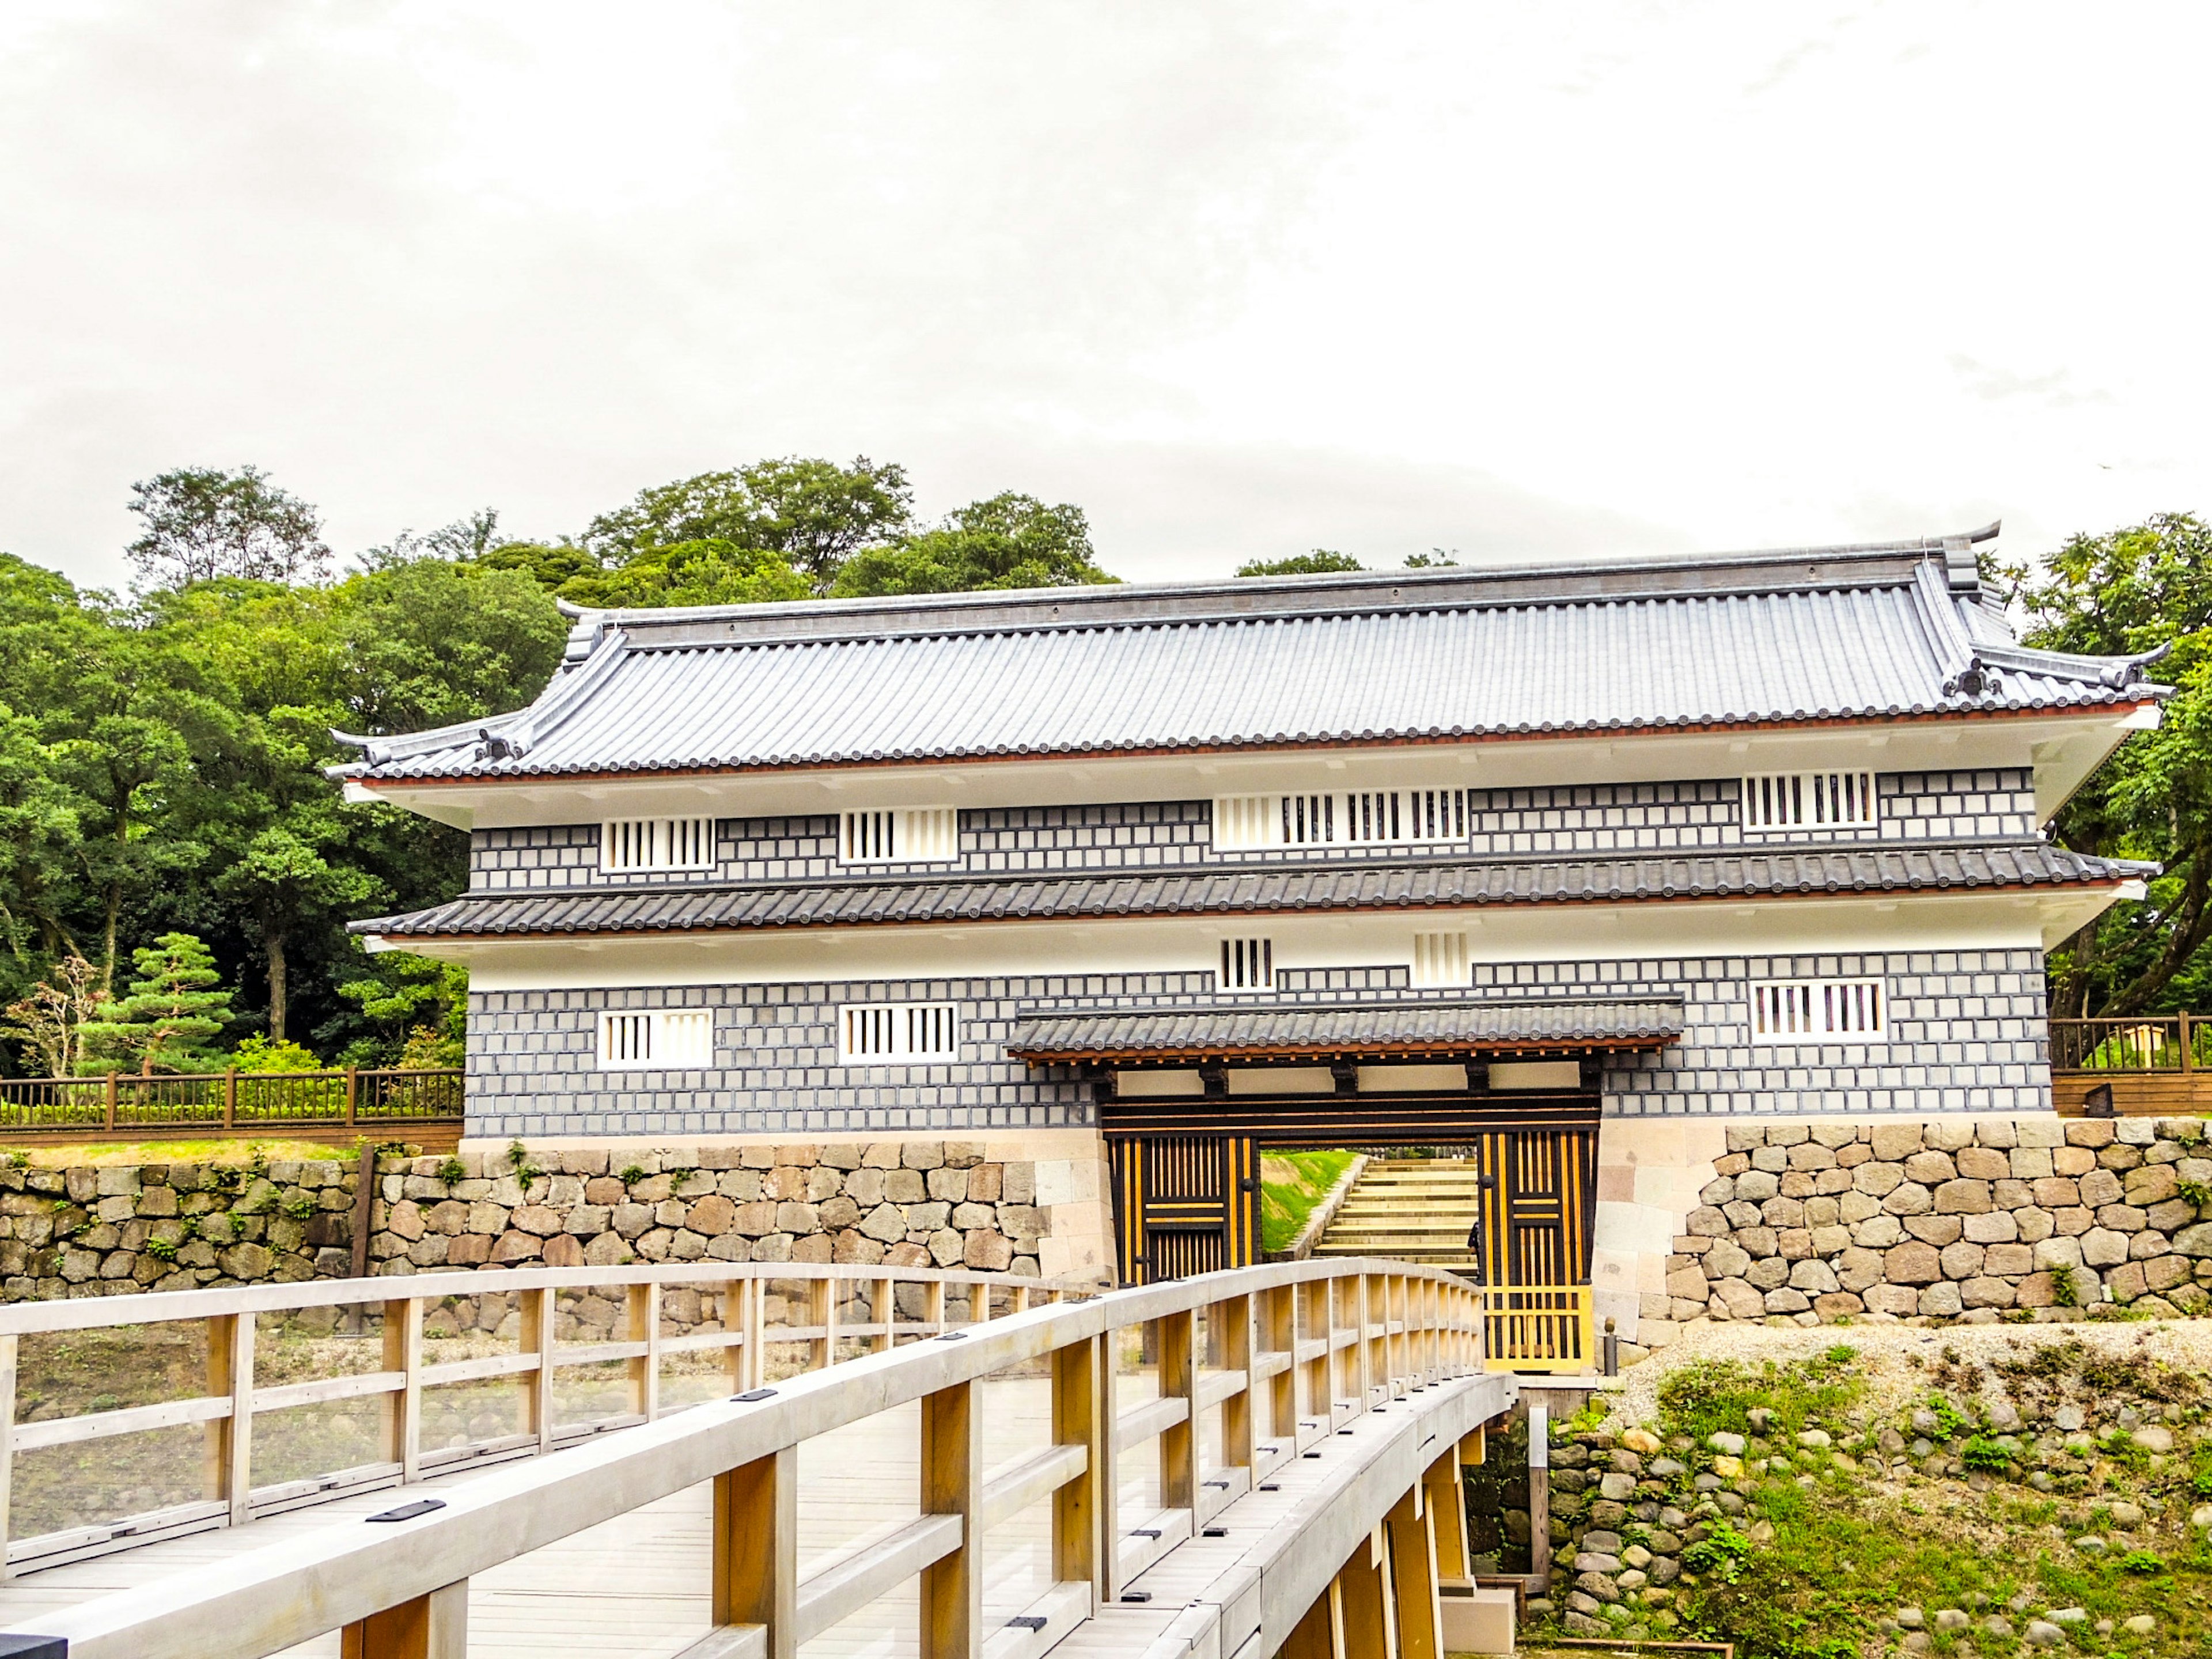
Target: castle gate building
(1565,865)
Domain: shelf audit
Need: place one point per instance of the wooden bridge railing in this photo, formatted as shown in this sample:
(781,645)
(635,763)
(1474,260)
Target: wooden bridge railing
(748,1323)
(200,1103)
(1301,1347)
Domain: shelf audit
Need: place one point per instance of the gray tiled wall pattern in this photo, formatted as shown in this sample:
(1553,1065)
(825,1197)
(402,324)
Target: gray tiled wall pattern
(1966,1035)
(1581,818)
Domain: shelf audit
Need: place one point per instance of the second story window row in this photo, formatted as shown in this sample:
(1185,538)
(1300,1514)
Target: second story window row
(900,834)
(898,1033)
(633,846)
(1781,802)
(1340,817)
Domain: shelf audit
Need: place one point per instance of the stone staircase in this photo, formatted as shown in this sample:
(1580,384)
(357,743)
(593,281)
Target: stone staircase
(1416,1209)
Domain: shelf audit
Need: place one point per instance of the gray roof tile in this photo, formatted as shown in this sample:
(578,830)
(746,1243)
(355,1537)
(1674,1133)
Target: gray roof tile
(1275,889)
(1410,1028)
(1806,635)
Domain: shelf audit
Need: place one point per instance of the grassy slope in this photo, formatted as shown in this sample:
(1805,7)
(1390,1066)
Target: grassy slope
(1832,1542)
(1291,1184)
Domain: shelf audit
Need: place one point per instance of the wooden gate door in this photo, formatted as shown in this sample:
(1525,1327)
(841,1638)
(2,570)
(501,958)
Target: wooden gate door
(1185,1203)
(1539,1203)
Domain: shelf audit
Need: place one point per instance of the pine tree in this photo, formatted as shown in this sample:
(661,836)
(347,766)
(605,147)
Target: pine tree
(170,1017)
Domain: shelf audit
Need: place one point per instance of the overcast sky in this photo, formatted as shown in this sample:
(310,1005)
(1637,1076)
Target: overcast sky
(1520,280)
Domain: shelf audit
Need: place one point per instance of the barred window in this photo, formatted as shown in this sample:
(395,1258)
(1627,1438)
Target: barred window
(1342,817)
(629,845)
(1819,1010)
(1781,801)
(1248,964)
(656,1037)
(898,1033)
(1441,959)
(901,835)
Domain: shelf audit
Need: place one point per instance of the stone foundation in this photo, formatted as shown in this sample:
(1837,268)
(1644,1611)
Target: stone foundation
(1972,1219)
(1032,1207)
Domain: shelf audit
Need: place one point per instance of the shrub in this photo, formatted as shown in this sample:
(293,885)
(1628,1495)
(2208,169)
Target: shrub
(451,1171)
(162,1249)
(632,1173)
(1984,1453)
(1950,1421)
(1721,1554)
(2142,1561)
(2065,1287)
(300,1207)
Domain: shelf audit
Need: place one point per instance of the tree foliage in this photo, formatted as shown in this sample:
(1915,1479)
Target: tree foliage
(2137,590)
(203,522)
(162,753)
(170,1017)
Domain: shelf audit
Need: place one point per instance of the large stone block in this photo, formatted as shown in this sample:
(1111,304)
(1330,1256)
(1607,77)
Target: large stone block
(1895,1142)
(1996,1227)
(2102,1247)
(1962,1260)
(1963,1197)
(1912,1264)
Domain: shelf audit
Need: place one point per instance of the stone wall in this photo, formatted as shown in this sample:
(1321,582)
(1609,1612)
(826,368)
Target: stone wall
(900,1204)
(1965,1219)
(112,1230)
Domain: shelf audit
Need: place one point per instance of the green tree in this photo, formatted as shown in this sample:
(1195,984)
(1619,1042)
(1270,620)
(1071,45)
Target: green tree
(815,513)
(1011,540)
(1319,562)
(171,1017)
(711,572)
(50,1022)
(2137,590)
(203,522)
(417,1006)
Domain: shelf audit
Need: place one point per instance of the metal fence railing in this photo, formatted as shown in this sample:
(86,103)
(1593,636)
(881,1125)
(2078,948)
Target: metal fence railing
(126,1103)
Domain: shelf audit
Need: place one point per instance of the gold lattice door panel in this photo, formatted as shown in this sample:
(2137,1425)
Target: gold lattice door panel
(1185,1204)
(1538,1202)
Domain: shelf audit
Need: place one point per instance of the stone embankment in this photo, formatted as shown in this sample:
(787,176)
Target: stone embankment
(1972,1220)
(112,1229)
(897,1203)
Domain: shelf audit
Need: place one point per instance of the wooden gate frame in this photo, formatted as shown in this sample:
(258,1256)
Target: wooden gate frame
(1244,1127)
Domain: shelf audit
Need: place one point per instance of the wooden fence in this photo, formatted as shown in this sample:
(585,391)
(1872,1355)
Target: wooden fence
(1537,1328)
(334,1104)
(2150,1065)
(1255,1367)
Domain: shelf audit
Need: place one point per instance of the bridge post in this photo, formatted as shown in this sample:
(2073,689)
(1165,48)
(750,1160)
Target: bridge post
(433,1627)
(1230,1325)
(883,1310)
(1077,1549)
(230,1439)
(1411,1529)
(1445,1499)
(952,1475)
(8,1351)
(756,1543)
(1179,1380)
(644,1301)
(537,1320)
(1281,1330)
(403,1410)
(1367,1623)
(753,1311)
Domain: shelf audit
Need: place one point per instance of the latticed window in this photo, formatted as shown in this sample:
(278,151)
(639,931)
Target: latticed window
(630,845)
(1340,817)
(1819,1011)
(1776,802)
(1248,964)
(656,1037)
(1441,959)
(900,834)
(898,1033)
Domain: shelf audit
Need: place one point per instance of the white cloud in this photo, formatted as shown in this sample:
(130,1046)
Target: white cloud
(1241,279)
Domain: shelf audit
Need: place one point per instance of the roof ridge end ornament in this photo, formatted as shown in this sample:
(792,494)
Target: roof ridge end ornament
(1962,564)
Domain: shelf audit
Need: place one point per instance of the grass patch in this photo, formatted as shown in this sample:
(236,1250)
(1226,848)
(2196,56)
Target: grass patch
(1290,1185)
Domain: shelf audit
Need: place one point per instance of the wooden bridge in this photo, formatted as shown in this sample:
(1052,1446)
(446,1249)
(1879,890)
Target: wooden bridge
(1261,1460)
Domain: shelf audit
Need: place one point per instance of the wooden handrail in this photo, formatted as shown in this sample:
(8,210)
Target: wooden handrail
(231,1100)
(401,1587)
(232,1400)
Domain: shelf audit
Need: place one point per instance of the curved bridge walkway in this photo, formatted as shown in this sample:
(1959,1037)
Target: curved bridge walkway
(1260,1461)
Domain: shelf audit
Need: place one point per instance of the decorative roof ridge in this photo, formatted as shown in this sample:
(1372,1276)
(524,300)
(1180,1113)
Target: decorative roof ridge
(499,737)
(1779,571)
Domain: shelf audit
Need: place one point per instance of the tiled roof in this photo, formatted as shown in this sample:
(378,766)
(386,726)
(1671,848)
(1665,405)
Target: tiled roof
(1432,655)
(1414,886)
(1410,1028)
